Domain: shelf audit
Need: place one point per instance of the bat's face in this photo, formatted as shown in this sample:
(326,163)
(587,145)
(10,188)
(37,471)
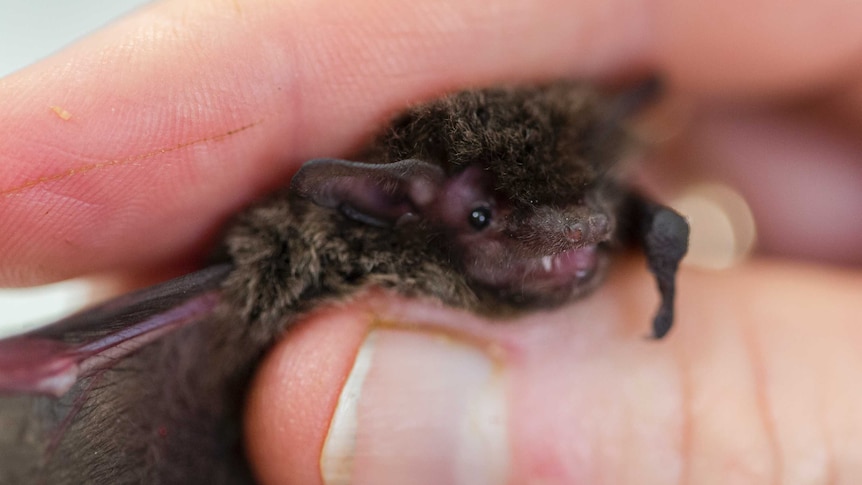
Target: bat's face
(541,252)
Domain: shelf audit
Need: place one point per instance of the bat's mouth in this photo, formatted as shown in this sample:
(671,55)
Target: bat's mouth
(578,263)
(551,277)
(554,278)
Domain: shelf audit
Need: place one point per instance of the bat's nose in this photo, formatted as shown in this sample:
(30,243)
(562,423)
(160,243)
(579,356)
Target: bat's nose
(576,232)
(591,230)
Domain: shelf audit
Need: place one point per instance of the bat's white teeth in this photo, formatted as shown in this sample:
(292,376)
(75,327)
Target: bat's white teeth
(547,263)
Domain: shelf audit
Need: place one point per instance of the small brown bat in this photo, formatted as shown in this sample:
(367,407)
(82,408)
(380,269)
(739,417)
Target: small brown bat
(498,201)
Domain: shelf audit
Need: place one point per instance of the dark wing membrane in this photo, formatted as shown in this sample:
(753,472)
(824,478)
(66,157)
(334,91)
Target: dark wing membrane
(49,360)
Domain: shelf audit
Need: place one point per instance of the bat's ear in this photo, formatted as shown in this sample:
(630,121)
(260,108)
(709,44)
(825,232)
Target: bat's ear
(371,193)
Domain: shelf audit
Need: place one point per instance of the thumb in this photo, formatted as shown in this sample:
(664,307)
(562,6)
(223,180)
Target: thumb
(744,390)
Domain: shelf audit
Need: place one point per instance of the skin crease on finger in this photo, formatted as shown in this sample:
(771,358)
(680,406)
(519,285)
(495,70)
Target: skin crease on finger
(746,390)
(231,115)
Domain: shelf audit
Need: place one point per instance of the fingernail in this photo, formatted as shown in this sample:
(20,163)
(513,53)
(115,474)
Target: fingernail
(418,408)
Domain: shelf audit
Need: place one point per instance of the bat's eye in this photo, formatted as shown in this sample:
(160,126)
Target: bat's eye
(479,218)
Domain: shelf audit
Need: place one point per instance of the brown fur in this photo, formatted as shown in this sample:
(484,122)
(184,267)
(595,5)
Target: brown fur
(543,144)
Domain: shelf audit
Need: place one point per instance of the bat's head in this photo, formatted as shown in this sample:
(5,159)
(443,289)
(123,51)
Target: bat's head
(521,184)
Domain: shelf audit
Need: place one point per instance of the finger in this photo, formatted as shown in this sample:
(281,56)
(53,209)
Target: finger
(167,121)
(745,390)
(766,47)
(801,178)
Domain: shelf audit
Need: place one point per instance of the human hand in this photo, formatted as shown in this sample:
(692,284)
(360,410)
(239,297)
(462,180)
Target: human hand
(186,111)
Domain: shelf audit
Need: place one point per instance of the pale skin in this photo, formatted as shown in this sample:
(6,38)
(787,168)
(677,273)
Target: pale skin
(185,111)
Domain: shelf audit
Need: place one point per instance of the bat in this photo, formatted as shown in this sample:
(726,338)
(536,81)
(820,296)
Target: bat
(498,200)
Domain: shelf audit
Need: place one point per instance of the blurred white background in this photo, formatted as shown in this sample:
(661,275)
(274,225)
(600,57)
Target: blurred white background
(31,30)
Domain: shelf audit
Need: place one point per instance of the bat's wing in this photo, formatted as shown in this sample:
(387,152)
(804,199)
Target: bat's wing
(49,360)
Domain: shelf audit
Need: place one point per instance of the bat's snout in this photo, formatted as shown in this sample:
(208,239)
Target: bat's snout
(591,230)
